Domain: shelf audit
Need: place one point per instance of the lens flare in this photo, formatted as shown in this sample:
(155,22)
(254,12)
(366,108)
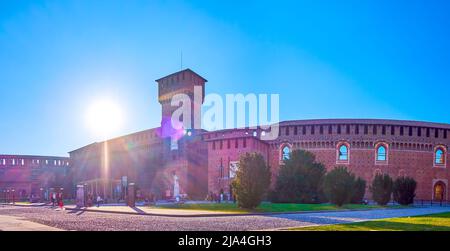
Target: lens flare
(104,117)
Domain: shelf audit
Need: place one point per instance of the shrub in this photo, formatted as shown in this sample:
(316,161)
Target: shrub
(252,180)
(299,179)
(381,189)
(404,190)
(359,189)
(338,185)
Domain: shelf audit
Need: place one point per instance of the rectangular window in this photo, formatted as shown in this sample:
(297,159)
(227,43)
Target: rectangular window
(339,129)
(214,145)
(321,130)
(236,143)
(383,130)
(428,132)
(303,130)
(313,130)
(419,131)
(347,129)
(330,129)
(228,144)
(245,143)
(401,130)
(357,129)
(173,144)
(295,130)
(392,130)
(366,129)
(221,145)
(410,133)
(287,130)
(445,134)
(436,133)
(374,130)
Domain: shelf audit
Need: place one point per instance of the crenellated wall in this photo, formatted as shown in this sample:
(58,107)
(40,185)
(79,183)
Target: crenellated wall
(27,175)
(410,148)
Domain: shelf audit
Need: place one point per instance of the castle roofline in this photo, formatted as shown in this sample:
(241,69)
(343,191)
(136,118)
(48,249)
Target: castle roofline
(31,156)
(179,72)
(366,121)
(117,138)
(345,121)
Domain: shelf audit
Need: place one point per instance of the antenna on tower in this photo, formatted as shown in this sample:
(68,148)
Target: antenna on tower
(181,63)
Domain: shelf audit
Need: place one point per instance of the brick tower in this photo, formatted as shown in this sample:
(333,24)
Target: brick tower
(184,154)
(182,82)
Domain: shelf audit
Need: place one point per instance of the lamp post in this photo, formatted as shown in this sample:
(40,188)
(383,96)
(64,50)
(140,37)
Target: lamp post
(61,196)
(41,194)
(13,198)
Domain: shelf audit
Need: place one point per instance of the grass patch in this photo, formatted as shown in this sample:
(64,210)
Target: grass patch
(432,222)
(266,207)
(22,203)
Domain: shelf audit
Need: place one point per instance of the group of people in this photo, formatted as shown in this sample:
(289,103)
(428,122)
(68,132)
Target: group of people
(150,200)
(57,199)
(91,199)
(218,197)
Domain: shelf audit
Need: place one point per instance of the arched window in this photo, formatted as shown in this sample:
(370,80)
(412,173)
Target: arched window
(381,153)
(286,151)
(439,157)
(439,191)
(343,153)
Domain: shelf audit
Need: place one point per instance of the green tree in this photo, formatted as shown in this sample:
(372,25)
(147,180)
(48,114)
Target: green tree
(299,179)
(359,189)
(404,190)
(252,180)
(381,189)
(338,185)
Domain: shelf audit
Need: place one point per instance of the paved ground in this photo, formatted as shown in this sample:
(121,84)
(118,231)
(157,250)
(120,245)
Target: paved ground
(150,210)
(12,223)
(70,220)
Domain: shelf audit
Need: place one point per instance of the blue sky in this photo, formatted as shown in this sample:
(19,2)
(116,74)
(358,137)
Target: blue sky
(326,59)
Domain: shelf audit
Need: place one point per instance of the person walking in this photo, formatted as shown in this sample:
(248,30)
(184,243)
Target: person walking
(61,203)
(99,199)
(53,199)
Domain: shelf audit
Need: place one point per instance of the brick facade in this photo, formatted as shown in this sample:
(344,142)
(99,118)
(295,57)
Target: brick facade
(201,160)
(409,152)
(32,176)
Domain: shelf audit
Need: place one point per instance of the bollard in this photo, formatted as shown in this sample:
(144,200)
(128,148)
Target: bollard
(131,200)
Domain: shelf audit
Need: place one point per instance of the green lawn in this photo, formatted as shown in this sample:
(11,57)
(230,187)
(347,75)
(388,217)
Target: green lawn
(432,222)
(266,207)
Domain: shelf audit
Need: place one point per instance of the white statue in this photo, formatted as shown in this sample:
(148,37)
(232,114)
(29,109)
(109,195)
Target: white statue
(176,187)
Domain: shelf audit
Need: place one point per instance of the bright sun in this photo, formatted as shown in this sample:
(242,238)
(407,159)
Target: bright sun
(104,117)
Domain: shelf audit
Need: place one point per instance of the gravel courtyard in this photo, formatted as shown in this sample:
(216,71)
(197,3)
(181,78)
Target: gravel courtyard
(92,221)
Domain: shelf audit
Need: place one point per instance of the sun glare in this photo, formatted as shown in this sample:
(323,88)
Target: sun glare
(104,117)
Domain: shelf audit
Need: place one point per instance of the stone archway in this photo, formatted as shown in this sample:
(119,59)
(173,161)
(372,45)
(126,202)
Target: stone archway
(439,191)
